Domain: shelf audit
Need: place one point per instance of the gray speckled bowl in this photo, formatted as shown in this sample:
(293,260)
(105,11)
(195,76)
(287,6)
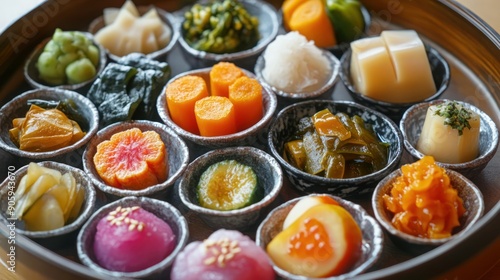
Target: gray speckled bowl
(268,28)
(161,209)
(177,152)
(373,238)
(326,89)
(51,237)
(285,125)
(269,178)
(18,107)
(32,75)
(167,18)
(249,136)
(470,194)
(411,126)
(440,73)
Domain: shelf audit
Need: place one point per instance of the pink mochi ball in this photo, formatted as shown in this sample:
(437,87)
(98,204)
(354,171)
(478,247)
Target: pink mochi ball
(132,239)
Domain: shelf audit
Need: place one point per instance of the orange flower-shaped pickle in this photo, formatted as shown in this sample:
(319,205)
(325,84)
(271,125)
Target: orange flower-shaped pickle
(132,159)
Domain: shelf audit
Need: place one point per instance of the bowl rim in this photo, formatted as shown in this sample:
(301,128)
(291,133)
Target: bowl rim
(89,168)
(146,203)
(162,109)
(485,118)
(33,57)
(259,47)
(166,17)
(387,225)
(222,153)
(332,181)
(53,93)
(329,84)
(378,239)
(85,212)
(440,89)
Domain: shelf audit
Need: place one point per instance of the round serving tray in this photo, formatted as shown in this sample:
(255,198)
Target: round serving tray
(471,47)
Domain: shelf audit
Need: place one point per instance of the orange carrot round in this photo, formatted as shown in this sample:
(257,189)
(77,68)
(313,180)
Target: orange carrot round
(246,95)
(288,8)
(215,116)
(311,20)
(222,75)
(182,95)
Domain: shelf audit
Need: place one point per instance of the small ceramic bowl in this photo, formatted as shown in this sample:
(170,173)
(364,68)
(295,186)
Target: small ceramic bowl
(285,124)
(411,126)
(268,29)
(339,49)
(18,107)
(167,18)
(373,238)
(32,75)
(324,90)
(51,238)
(472,201)
(161,209)
(177,151)
(249,136)
(269,177)
(440,73)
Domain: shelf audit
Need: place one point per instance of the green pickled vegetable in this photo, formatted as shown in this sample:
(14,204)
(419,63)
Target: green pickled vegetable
(220,27)
(347,19)
(68,58)
(129,88)
(228,185)
(335,146)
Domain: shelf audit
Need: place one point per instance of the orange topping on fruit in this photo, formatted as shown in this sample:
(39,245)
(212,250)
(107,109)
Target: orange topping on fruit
(132,159)
(324,241)
(305,204)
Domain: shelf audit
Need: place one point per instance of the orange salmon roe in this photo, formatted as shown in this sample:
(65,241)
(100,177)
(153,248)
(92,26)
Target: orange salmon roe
(312,240)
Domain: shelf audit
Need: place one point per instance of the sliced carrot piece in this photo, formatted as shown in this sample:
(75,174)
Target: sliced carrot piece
(181,97)
(246,95)
(215,116)
(222,75)
(311,20)
(132,159)
(288,8)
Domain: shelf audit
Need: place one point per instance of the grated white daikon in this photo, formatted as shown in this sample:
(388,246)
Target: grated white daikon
(294,64)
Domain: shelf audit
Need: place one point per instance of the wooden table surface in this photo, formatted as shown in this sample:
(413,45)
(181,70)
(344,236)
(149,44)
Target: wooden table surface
(485,265)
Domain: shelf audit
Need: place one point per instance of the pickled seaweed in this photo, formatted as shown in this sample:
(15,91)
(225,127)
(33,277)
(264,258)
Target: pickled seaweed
(335,146)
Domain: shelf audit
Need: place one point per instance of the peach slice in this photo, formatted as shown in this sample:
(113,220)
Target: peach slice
(324,241)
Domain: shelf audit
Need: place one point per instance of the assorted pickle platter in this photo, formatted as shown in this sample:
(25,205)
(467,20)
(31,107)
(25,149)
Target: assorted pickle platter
(470,47)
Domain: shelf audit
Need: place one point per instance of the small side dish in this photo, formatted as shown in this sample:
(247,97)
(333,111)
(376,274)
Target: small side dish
(392,67)
(225,254)
(228,185)
(294,64)
(126,31)
(130,239)
(70,57)
(47,199)
(233,103)
(132,159)
(220,27)
(423,201)
(327,23)
(323,234)
(450,133)
(335,146)
(47,129)
(128,89)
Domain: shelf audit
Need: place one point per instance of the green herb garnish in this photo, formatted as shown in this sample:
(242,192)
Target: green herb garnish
(455,115)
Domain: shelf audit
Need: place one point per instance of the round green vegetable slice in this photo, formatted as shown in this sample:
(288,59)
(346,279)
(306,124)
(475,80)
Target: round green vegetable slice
(227,185)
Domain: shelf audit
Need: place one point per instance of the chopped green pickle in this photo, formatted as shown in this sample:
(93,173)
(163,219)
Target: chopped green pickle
(228,185)
(338,146)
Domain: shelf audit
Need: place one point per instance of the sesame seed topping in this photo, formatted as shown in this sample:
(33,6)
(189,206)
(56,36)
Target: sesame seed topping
(209,261)
(226,250)
(120,216)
